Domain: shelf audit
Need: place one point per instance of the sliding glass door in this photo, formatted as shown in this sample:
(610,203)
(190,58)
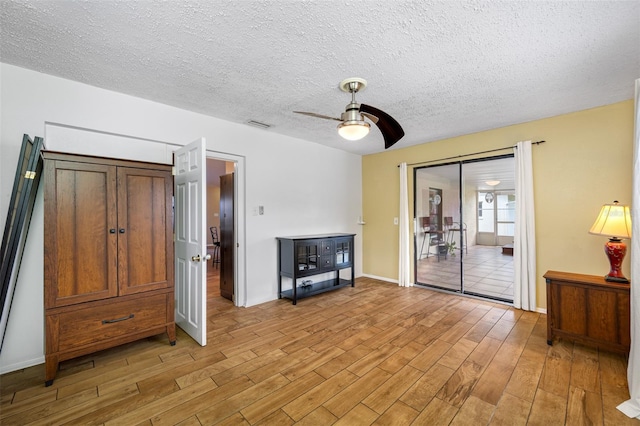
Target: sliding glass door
(437,215)
(465,216)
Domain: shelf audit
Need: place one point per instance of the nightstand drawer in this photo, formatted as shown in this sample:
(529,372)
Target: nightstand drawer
(93,324)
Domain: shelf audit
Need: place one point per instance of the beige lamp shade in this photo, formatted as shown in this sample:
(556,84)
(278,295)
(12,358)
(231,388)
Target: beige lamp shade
(614,220)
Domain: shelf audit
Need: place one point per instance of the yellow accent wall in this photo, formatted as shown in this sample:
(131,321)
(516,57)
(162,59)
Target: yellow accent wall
(586,162)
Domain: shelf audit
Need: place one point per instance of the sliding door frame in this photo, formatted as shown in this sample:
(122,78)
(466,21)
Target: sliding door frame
(418,225)
(461,242)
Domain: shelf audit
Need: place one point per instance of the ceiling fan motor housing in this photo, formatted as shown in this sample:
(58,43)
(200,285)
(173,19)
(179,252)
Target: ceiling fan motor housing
(352,113)
(353,126)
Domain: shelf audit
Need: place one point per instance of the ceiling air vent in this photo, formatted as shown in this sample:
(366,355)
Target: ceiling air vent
(258,124)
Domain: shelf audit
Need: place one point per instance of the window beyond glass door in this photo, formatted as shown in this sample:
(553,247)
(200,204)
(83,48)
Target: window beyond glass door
(497,214)
(506,214)
(486,212)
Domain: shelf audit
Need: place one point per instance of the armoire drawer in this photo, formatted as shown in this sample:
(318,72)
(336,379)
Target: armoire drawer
(97,323)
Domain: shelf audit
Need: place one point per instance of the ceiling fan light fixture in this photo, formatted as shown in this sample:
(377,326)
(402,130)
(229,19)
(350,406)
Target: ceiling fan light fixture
(353,130)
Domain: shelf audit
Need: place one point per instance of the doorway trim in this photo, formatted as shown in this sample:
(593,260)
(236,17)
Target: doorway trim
(240,272)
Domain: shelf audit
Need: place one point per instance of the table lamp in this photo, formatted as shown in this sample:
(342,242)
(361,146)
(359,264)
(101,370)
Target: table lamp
(614,221)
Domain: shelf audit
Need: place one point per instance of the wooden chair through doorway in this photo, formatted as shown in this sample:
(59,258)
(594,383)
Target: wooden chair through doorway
(434,238)
(461,229)
(216,246)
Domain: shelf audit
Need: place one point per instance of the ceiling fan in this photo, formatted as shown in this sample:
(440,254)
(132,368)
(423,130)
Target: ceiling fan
(352,123)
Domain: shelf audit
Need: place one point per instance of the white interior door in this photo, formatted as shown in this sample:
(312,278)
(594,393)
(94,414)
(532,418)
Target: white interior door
(190,240)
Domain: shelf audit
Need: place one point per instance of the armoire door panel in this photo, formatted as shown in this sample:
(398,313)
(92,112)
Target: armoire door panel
(79,222)
(144,245)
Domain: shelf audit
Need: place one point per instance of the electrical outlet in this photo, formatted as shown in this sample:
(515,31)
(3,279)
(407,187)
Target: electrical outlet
(395,220)
(260,210)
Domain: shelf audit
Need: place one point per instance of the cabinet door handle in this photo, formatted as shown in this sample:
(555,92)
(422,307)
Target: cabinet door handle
(111,321)
(112,231)
(121,230)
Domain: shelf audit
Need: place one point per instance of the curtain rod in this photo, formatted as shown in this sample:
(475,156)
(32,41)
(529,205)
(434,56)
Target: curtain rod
(468,155)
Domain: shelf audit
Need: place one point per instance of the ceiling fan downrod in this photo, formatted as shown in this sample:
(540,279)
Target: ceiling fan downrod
(352,110)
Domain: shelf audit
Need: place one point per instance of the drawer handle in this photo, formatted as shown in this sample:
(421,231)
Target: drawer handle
(111,321)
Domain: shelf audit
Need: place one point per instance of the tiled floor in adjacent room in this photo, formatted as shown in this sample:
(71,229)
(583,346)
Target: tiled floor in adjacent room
(487,271)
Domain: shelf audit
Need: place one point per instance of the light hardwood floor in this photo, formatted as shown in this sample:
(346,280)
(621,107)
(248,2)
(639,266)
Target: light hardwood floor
(373,354)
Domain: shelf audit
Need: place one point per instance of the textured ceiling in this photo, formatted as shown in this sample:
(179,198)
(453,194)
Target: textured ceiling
(441,68)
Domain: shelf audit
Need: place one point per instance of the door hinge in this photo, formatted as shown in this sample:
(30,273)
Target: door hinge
(173,170)
(30,174)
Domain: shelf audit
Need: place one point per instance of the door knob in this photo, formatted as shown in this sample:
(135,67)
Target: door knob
(197,258)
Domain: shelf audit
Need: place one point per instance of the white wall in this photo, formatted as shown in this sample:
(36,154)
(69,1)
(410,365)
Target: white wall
(304,187)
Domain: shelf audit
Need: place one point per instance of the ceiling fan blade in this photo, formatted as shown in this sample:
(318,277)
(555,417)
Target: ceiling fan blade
(313,114)
(389,127)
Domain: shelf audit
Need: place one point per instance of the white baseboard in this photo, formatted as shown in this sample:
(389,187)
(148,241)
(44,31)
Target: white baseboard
(539,310)
(375,277)
(22,364)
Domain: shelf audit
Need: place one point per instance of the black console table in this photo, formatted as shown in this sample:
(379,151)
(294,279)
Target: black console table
(307,255)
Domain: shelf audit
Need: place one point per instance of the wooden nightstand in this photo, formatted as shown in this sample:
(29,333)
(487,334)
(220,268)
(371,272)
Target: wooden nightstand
(589,310)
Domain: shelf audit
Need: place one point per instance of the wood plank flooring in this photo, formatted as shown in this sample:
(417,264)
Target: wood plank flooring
(373,354)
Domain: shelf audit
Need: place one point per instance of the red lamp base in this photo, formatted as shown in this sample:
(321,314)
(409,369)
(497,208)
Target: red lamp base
(615,250)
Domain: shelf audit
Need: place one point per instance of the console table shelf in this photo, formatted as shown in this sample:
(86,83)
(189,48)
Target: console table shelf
(308,255)
(316,288)
(589,310)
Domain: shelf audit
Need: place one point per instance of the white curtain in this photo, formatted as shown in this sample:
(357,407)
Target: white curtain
(404,263)
(524,250)
(632,407)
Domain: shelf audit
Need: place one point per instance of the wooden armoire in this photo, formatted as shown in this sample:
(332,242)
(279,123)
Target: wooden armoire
(108,254)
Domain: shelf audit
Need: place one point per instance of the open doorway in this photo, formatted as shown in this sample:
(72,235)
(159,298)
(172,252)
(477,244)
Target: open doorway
(192,236)
(220,222)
